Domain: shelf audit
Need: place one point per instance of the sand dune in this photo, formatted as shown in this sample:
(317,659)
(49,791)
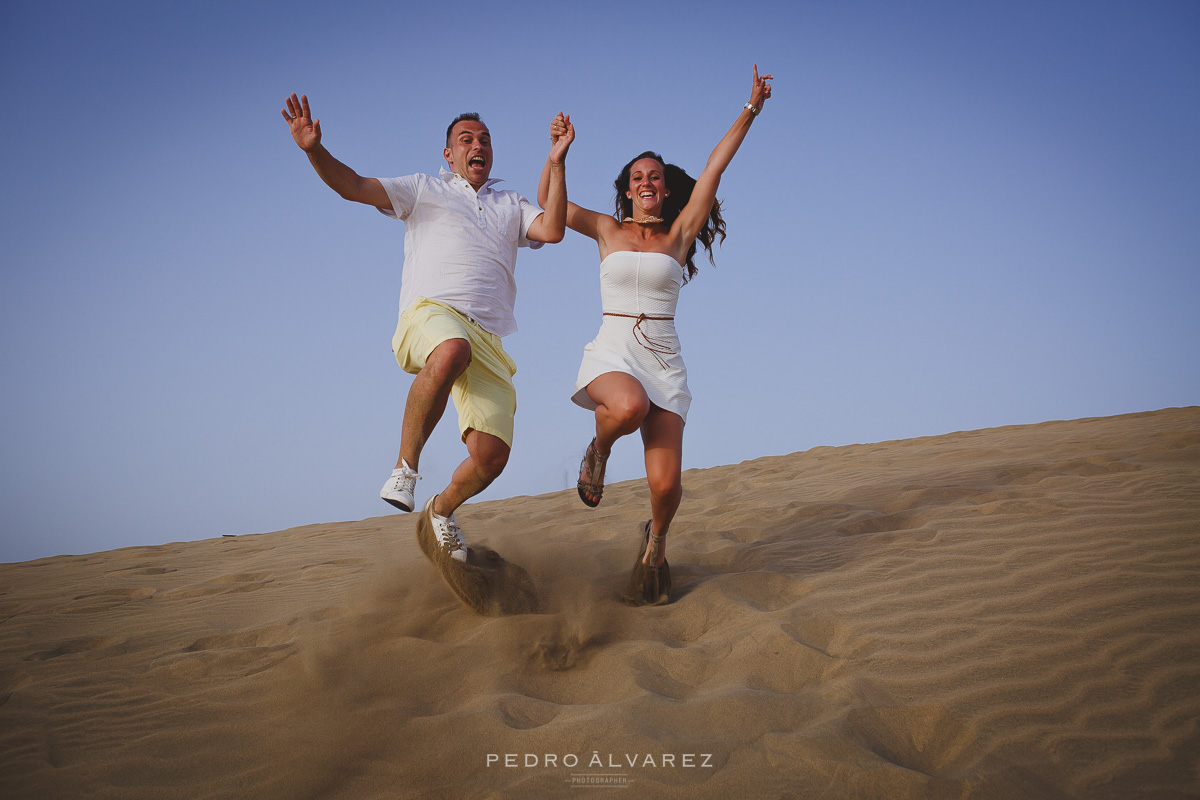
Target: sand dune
(1003,613)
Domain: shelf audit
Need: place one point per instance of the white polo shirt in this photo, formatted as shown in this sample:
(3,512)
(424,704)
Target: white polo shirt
(460,246)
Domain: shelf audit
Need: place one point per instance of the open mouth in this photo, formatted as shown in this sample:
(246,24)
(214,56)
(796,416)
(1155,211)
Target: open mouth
(476,161)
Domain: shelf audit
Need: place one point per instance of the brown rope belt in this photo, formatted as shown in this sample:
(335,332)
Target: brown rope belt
(657,348)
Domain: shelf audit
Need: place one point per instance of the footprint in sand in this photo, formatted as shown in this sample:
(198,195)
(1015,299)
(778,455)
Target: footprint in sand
(524,713)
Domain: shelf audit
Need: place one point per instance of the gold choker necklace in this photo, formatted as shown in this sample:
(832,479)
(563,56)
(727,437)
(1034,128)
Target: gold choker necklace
(644,220)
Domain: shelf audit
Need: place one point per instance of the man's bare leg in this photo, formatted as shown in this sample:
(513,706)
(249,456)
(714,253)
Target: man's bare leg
(486,458)
(428,395)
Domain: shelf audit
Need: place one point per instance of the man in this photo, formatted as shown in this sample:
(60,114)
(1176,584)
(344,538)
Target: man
(456,298)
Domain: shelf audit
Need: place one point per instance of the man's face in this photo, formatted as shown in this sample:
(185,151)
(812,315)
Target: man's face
(470,152)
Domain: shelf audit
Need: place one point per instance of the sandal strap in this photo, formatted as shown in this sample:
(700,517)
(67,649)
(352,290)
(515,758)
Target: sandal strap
(655,540)
(597,461)
(594,465)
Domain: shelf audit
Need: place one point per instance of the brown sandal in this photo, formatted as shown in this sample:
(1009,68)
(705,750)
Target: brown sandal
(594,487)
(649,584)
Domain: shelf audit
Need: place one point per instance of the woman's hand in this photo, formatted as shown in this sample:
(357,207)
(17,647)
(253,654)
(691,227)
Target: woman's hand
(562,133)
(760,90)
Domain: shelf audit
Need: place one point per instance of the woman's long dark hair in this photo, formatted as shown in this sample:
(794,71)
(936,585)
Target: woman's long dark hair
(681,185)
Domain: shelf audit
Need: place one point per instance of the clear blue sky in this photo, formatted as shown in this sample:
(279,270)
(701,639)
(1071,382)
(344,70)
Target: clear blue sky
(950,216)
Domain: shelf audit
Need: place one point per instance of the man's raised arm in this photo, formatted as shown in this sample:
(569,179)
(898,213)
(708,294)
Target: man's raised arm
(343,180)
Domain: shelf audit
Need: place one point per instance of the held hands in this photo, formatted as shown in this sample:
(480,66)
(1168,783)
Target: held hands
(305,130)
(562,133)
(760,90)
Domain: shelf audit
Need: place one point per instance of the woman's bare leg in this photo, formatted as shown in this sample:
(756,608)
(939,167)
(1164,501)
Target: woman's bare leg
(621,405)
(662,435)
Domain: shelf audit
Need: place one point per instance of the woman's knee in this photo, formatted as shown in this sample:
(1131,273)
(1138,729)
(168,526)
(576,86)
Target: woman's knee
(629,410)
(665,485)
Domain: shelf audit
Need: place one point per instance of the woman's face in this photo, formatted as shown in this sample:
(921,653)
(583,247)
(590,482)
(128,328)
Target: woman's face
(647,188)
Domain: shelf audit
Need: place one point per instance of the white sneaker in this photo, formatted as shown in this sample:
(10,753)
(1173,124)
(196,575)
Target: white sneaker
(400,487)
(449,535)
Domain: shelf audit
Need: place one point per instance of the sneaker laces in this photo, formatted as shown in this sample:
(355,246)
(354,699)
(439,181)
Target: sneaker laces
(407,479)
(453,535)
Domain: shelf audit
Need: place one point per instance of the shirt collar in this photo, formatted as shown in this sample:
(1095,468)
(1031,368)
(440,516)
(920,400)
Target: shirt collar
(449,177)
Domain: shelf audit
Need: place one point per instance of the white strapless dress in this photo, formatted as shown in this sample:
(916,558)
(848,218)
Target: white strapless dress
(638,293)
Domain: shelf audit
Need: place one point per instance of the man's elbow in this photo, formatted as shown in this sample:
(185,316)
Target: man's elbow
(544,230)
(364,191)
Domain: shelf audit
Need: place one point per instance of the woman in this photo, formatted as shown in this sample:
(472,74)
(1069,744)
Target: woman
(632,374)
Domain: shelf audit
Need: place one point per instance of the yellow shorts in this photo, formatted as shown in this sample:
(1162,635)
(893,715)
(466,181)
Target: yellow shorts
(484,395)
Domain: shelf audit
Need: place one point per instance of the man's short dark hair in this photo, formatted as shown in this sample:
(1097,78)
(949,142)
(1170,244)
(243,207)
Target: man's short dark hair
(470,116)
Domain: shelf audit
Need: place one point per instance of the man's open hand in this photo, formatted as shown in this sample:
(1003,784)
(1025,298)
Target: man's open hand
(305,130)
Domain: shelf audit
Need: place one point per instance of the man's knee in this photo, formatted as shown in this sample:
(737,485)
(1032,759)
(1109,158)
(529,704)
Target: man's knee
(489,453)
(492,464)
(449,359)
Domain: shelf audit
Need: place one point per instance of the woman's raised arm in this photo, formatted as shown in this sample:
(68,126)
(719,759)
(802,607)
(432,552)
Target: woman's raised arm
(692,218)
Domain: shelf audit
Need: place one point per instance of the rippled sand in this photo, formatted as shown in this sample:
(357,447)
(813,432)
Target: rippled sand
(1004,613)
